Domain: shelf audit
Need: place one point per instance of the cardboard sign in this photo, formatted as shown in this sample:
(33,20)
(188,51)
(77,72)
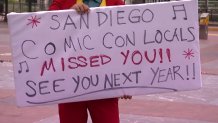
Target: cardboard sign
(62,56)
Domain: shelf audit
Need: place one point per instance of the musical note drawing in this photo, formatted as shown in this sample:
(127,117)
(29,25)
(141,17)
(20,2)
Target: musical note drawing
(23,63)
(179,8)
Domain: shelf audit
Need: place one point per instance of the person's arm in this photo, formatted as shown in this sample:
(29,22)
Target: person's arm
(66,4)
(80,8)
(114,2)
(57,5)
(120,2)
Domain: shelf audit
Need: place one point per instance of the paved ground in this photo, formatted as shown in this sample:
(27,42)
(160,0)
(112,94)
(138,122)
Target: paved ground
(199,106)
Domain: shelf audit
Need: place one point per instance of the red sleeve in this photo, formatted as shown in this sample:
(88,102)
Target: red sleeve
(57,5)
(66,4)
(114,2)
(120,2)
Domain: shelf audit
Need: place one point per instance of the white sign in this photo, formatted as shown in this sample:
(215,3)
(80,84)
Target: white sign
(61,56)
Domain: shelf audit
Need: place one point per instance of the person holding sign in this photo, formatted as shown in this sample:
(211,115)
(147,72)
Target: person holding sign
(101,111)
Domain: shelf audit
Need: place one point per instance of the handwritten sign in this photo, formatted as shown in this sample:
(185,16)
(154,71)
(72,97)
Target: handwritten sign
(62,56)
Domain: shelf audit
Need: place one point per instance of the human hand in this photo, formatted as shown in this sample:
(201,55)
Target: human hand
(80,8)
(126,97)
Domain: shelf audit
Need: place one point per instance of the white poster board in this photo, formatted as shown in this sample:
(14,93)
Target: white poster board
(61,56)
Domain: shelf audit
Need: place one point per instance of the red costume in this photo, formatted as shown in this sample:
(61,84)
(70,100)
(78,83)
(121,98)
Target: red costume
(66,4)
(101,111)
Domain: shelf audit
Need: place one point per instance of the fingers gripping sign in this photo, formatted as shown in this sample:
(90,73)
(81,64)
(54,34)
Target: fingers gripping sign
(80,8)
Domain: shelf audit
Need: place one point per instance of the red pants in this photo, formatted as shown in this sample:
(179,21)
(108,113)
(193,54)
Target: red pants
(101,111)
